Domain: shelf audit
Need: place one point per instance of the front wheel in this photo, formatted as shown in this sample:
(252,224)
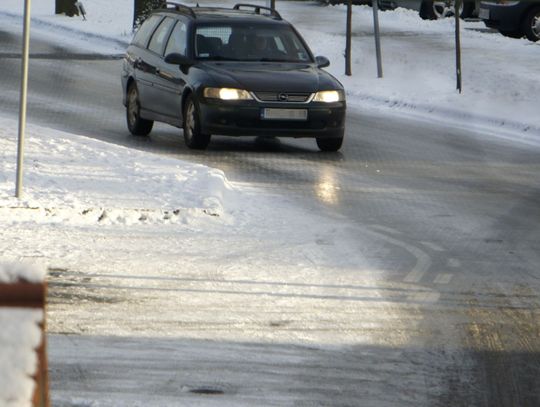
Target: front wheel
(468,9)
(531,25)
(437,9)
(330,144)
(136,124)
(193,137)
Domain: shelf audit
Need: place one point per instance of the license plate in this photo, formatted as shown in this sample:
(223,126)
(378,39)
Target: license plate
(284,114)
(484,14)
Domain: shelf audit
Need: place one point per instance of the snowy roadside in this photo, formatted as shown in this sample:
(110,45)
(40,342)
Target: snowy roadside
(500,76)
(134,227)
(138,267)
(76,180)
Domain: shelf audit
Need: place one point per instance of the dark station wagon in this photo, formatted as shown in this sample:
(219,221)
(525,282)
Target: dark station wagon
(239,71)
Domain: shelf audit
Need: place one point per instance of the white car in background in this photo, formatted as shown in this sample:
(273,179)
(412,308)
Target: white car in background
(434,9)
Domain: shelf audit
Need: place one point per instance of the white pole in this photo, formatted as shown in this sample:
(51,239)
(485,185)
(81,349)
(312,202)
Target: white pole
(24,89)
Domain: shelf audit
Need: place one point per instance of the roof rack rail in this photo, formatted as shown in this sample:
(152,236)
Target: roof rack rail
(181,8)
(257,9)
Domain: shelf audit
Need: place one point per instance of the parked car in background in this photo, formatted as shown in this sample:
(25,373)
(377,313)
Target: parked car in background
(241,71)
(354,2)
(513,18)
(434,9)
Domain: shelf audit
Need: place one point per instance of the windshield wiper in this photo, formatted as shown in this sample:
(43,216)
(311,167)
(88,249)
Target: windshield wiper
(276,60)
(219,58)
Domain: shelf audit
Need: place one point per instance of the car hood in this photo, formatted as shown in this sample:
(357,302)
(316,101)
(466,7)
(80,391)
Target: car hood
(271,76)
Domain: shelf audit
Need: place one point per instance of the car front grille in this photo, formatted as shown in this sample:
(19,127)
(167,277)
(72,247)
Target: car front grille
(283,97)
(281,124)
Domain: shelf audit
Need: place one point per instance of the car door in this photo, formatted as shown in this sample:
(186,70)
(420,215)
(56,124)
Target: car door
(171,78)
(138,56)
(156,47)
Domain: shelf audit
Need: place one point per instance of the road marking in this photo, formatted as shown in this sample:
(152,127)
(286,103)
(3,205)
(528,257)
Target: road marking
(455,263)
(443,278)
(423,261)
(433,246)
(386,229)
(430,297)
(414,276)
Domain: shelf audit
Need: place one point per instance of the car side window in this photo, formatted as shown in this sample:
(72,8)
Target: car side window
(299,49)
(178,40)
(279,44)
(157,43)
(145,31)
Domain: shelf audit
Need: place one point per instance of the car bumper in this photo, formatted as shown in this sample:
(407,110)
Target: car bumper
(245,119)
(500,17)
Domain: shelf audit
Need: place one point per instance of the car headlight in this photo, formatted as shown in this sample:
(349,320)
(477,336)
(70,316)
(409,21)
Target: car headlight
(227,94)
(329,96)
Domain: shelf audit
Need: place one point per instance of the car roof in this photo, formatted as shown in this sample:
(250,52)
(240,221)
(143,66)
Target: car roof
(249,14)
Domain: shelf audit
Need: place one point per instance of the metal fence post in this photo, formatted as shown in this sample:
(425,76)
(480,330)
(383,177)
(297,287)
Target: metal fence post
(23,98)
(458,45)
(377,38)
(348,43)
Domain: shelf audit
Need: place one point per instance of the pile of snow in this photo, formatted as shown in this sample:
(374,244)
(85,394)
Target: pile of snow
(20,336)
(78,180)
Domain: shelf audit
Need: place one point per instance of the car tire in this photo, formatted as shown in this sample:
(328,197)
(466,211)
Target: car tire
(468,9)
(531,25)
(435,10)
(329,144)
(193,137)
(136,124)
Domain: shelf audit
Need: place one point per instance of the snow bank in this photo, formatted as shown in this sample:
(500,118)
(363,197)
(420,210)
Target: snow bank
(500,75)
(77,180)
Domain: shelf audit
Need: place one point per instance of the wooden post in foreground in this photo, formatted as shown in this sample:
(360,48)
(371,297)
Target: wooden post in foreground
(30,295)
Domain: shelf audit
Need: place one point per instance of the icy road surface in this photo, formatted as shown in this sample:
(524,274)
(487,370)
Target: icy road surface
(403,271)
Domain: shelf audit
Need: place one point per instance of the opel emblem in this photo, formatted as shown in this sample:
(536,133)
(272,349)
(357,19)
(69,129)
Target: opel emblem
(283,97)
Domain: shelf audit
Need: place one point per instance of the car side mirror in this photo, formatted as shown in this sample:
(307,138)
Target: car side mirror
(178,59)
(322,62)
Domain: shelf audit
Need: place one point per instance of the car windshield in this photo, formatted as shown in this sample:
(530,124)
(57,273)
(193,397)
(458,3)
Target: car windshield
(272,43)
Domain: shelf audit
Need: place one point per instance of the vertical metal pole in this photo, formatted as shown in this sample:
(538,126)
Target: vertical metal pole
(23,97)
(458,45)
(348,70)
(377,37)
(137,11)
(273,4)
